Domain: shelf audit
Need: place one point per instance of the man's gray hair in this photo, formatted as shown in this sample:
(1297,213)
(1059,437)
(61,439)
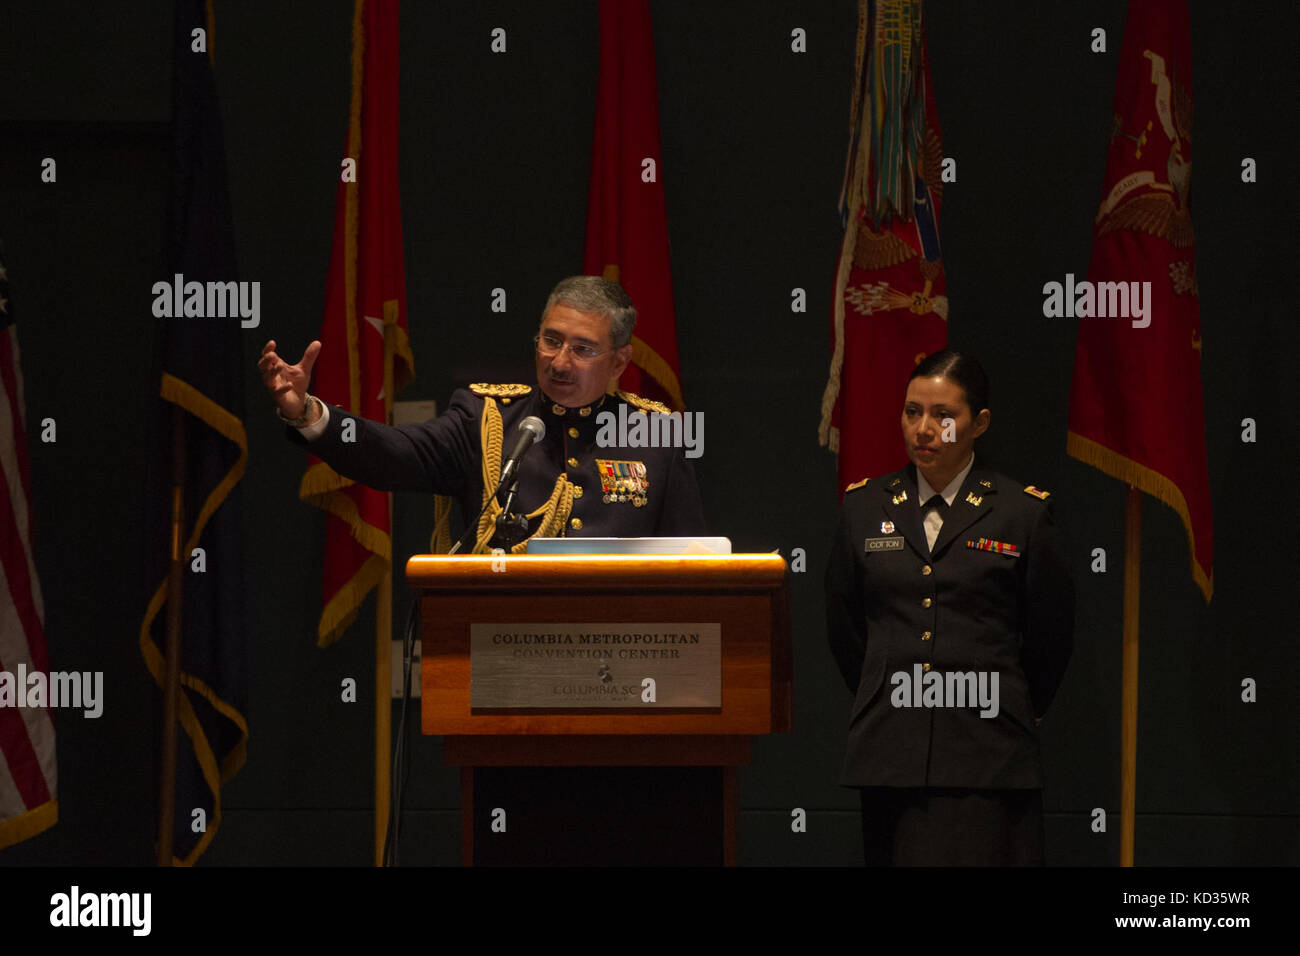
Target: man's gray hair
(601,296)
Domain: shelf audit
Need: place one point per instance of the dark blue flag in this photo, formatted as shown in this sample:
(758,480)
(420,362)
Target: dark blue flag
(198,378)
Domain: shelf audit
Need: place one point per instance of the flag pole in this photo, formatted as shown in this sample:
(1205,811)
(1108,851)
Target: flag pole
(172,676)
(1129,680)
(383,644)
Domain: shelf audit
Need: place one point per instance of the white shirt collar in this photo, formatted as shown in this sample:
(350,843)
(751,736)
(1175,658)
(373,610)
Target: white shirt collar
(949,493)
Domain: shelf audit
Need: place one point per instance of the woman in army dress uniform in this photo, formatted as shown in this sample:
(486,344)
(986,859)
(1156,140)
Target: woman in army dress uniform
(950,612)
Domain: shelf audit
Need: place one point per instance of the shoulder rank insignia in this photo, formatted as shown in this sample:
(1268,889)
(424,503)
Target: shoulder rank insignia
(645,404)
(500,391)
(1031,490)
(856,484)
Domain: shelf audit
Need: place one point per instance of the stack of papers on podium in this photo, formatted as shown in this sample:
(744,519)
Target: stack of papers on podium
(562,546)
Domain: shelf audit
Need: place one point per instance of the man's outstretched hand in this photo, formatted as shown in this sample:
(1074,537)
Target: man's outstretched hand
(288,383)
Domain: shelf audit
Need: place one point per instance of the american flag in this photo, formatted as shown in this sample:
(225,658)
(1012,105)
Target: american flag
(28,801)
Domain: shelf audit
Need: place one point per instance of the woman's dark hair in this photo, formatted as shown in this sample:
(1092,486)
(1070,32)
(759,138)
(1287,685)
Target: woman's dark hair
(960,368)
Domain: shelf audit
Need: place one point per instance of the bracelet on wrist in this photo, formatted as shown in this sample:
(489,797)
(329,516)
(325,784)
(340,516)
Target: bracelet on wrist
(303,420)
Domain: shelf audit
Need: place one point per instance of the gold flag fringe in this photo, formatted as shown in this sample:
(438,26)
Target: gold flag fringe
(1159,486)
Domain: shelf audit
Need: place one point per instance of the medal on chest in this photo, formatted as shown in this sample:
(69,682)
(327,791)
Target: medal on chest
(623,481)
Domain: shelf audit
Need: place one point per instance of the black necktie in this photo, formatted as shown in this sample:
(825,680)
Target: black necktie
(941,508)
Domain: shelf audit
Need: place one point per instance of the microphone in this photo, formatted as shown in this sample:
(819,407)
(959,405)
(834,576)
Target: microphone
(511,529)
(531,430)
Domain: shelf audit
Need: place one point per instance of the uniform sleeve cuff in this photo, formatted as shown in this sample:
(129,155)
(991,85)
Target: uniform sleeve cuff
(317,428)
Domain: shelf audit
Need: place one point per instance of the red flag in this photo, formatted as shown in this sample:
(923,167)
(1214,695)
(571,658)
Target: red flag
(627,227)
(28,773)
(1136,409)
(890,310)
(365,301)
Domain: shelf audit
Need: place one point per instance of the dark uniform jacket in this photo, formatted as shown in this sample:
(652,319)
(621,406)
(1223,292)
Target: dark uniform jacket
(658,495)
(994,596)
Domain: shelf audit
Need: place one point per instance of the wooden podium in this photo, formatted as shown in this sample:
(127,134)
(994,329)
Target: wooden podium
(744,594)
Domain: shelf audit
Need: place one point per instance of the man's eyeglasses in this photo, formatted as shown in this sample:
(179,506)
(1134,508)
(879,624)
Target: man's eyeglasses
(549,345)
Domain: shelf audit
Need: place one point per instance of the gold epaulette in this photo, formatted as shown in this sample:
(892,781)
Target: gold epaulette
(645,404)
(500,391)
(1031,490)
(856,484)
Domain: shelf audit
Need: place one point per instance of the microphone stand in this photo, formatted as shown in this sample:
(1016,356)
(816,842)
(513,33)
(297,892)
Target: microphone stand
(510,528)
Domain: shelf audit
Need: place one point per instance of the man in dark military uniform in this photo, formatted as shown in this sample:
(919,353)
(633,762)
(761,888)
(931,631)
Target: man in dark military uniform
(569,484)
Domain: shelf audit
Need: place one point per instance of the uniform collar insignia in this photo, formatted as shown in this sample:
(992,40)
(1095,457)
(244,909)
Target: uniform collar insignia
(981,481)
(967,508)
(586,411)
(898,510)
